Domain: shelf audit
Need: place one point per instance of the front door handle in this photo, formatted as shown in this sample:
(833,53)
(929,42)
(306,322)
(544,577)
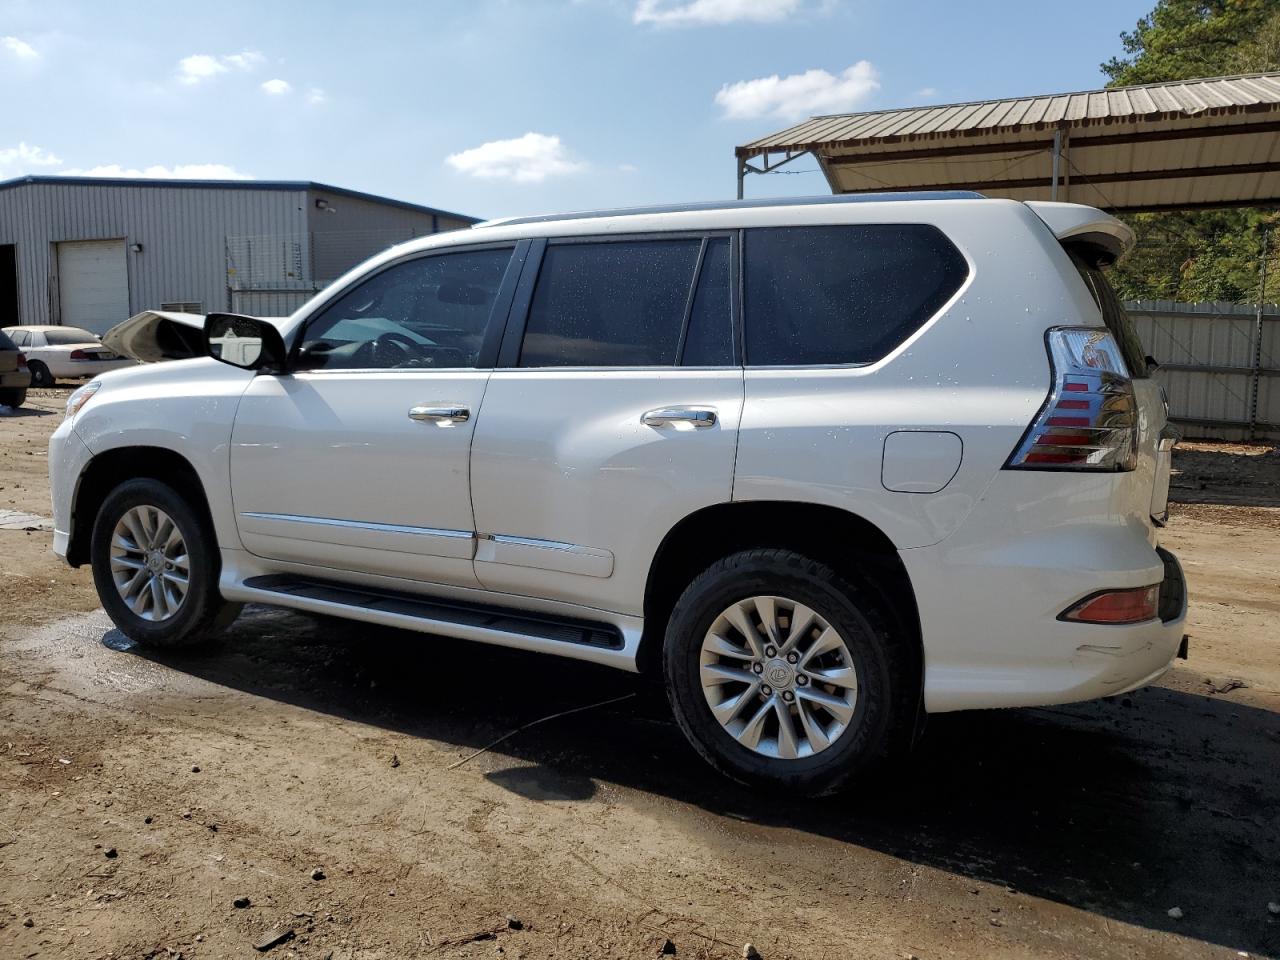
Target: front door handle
(697,418)
(441,413)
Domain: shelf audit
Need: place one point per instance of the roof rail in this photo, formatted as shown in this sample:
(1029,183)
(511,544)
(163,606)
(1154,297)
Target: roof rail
(707,205)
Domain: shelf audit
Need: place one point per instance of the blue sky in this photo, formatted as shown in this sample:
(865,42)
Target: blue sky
(496,107)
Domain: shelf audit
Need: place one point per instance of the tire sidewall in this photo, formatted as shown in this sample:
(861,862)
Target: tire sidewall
(791,576)
(178,630)
(40,375)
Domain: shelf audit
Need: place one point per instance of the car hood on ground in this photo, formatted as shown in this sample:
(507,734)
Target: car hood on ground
(155,335)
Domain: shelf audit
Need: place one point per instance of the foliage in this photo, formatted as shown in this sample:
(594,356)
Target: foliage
(1210,255)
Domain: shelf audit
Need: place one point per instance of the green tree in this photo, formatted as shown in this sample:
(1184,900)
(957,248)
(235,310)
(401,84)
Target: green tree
(1210,255)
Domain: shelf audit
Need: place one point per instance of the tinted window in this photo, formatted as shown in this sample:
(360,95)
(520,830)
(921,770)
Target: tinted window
(1114,315)
(610,304)
(19,337)
(431,312)
(709,339)
(6,343)
(818,295)
(68,337)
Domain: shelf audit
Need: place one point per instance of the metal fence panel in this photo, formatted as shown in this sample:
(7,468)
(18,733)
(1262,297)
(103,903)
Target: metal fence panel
(1221,380)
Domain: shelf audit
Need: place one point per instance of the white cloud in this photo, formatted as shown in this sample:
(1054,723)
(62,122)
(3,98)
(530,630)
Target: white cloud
(316,96)
(19,48)
(924,92)
(800,94)
(182,171)
(20,159)
(276,88)
(204,66)
(528,159)
(245,60)
(666,13)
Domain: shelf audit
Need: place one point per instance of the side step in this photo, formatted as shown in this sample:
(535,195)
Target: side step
(451,617)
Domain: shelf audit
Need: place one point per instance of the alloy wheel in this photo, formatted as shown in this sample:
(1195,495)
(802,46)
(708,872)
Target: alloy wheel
(779,678)
(149,563)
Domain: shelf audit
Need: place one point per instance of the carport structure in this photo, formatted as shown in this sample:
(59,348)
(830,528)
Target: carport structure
(1165,146)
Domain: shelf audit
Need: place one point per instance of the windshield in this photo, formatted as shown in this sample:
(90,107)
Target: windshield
(68,336)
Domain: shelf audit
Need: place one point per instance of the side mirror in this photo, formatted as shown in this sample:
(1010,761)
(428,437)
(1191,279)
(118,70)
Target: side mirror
(245,342)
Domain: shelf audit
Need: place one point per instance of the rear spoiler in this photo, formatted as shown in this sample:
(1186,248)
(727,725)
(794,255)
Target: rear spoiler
(1078,224)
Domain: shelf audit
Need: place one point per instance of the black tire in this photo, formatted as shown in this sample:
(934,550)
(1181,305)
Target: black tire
(13,397)
(202,613)
(40,375)
(882,709)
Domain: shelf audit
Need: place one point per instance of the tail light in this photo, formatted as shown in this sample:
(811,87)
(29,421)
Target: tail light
(1117,606)
(22,361)
(79,355)
(1090,421)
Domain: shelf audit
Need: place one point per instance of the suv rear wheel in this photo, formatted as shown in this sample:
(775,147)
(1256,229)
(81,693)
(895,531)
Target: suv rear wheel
(155,566)
(784,674)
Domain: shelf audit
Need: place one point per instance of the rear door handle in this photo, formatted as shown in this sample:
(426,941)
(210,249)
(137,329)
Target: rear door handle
(697,418)
(441,413)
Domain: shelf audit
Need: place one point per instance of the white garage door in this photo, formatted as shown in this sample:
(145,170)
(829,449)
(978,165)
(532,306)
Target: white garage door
(93,282)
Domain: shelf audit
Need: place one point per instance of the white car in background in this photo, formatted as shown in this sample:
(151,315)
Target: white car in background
(63,353)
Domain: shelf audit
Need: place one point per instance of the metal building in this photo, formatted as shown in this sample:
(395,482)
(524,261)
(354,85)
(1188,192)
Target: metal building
(90,252)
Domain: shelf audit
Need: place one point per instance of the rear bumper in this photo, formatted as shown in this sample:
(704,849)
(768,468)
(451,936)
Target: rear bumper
(15,380)
(74,369)
(992,637)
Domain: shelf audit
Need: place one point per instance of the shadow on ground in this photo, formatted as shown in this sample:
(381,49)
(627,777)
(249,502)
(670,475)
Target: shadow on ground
(1236,479)
(1124,808)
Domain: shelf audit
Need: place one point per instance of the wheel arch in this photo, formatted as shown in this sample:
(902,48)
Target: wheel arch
(109,469)
(852,545)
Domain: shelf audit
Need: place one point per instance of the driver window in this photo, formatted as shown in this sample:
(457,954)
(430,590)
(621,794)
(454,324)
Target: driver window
(427,313)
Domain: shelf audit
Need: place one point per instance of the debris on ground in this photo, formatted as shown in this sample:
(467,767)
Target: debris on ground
(514,923)
(317,874)
(1175,913)
(272,938)
(667,949)
(241,903)
(749,952)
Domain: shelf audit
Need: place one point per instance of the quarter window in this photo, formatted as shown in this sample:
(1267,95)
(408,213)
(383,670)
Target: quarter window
(429,313)
(843,294)
(617,304)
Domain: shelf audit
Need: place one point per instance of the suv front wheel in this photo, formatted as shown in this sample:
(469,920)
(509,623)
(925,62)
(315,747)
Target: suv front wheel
(784,674)
(155,565)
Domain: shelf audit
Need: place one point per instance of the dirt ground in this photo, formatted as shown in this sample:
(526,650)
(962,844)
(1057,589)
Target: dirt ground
(142,796)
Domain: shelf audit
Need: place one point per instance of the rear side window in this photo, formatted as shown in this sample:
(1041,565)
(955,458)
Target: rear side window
(843,294)
(6,343)
(68,337)
(1114,315)
(619,304)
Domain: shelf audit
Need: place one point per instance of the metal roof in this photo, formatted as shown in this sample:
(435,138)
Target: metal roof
(1190,143)
(231,185)
(734,205)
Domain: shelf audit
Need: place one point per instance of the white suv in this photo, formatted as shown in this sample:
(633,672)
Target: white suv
(827,465)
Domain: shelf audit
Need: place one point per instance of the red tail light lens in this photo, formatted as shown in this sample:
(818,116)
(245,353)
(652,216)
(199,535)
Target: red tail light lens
(79,355)
(1117,606)
(1090,421)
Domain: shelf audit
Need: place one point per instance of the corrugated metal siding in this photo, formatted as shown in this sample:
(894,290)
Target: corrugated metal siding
(182,232)
(1221,337)
(1185,99)
(359,229)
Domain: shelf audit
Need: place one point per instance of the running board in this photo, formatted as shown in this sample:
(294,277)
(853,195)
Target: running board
(467,621)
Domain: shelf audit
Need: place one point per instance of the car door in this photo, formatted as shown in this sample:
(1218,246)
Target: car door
(357,460)
(613,414)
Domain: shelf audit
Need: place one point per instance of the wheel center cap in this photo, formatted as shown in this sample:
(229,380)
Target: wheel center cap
(779,674)
(155,561)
